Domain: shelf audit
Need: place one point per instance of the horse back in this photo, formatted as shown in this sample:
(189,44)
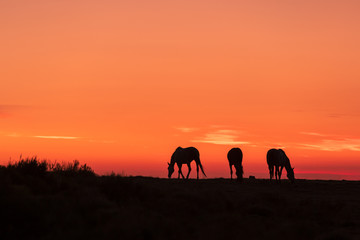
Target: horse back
(271,157)
(186,155)
(235,156)
(277,157)
(283,159)
(191,153)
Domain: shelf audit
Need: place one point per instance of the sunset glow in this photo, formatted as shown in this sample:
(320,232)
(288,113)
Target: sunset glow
(119,85)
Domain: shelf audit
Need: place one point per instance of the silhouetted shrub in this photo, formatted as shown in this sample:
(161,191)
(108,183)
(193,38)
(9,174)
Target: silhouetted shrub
(34,166)
(29,166)
(72,169)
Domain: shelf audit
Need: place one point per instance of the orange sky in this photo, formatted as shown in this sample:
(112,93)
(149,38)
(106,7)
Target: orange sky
(120,84)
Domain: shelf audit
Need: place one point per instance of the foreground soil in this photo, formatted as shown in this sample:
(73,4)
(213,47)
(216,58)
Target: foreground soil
(115,207)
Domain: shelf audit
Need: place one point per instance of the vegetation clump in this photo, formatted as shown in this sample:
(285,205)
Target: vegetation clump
(72,169)
(29,166)
(35,166)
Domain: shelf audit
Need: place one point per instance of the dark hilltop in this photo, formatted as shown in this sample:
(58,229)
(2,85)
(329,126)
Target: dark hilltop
(69,201)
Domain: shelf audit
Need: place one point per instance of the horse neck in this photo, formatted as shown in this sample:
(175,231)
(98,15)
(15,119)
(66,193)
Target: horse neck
(287,165)
(172,162)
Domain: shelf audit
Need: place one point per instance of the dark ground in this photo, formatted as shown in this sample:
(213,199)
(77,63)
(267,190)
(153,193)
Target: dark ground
(52,206)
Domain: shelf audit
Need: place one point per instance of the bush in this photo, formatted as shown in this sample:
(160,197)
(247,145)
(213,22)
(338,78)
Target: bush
(29,166)
(72,169)
(34,166)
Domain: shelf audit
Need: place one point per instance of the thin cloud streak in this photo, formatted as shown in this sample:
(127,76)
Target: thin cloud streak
(313,134)
(334,145)
(186,129)
(221,137)
(326,172)
(57,137)
(14,135)
(277,146)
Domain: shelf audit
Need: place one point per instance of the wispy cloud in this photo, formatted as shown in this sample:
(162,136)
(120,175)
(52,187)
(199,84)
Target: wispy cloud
(313,134)
(223,137)
(13,135)
(186,129)
(276,145)
(335,145)
(16,135)
(343,115)
(326,172)
(57,137)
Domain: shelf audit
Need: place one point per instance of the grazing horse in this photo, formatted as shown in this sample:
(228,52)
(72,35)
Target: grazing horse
(235,157)
(185,156)
(276,158)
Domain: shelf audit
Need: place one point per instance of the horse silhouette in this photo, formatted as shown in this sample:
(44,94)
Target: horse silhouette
(185,156)
(276,158)
(235,157)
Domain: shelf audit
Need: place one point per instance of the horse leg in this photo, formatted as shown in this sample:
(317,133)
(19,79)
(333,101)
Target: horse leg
(240,172)
(281,168)
(180,172)
(187,176)
(276,172)
(271,171)
(231,171)
(179,167)
(197,171)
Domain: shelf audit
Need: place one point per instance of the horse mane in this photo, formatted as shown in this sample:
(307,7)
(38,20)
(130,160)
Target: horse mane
(287,164)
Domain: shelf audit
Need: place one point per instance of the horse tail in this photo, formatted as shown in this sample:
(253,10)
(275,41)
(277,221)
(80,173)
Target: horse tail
(202,170)
(197,160)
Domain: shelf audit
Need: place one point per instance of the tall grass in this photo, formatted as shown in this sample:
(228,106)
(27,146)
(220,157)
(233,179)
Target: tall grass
(73,168)
(35,166)
(29,166)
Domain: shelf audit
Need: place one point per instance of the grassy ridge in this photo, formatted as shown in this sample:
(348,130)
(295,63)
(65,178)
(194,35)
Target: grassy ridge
(42,201)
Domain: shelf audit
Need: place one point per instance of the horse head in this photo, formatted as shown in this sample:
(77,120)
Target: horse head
(290,175)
